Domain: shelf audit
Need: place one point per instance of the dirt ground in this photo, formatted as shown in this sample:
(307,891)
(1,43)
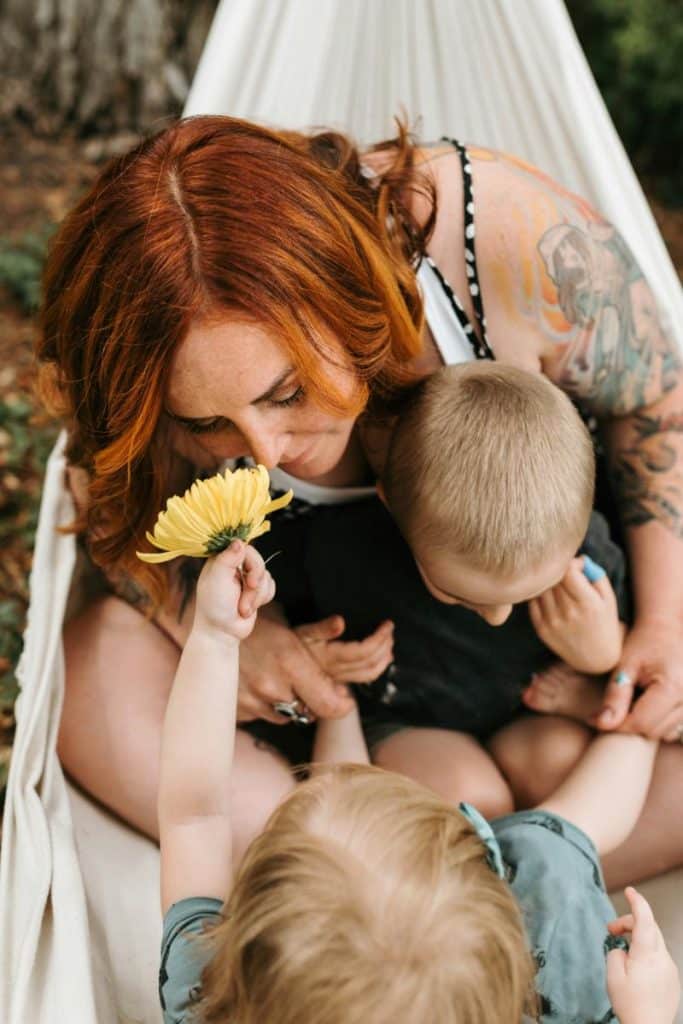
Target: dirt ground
(39,180)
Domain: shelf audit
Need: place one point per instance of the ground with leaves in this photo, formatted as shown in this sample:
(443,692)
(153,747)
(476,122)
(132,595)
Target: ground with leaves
(39,181)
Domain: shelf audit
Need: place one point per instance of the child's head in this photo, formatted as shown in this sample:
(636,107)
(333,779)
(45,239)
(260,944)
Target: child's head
(490,477)
(368,899)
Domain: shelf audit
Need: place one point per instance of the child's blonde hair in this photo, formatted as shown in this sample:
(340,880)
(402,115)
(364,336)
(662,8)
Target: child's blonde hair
(491,463)
(367,899)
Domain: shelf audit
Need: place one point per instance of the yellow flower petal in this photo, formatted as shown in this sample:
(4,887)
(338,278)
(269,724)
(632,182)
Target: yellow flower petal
(212,512)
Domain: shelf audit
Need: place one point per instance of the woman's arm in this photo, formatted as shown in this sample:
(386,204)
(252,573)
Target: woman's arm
(605,792)
(564,293)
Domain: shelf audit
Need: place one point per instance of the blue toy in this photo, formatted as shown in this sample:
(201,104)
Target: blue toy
(591,570)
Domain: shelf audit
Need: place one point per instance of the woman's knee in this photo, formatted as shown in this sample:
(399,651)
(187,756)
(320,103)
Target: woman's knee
(119,670)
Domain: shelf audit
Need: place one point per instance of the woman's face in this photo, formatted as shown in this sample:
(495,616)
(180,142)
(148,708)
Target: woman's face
(235,392)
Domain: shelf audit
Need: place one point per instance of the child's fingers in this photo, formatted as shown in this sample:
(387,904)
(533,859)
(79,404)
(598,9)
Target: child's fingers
(621,925)
(604,588)
(536,613)
(256,583)
(547,605)
(232,556)
(574,583)
(253,569)
(645,934)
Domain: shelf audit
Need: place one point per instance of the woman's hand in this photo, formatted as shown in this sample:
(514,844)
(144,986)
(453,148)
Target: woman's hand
(652,659)
(350,661)
(275,665)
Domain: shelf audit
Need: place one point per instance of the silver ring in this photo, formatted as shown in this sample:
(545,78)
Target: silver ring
(295,710)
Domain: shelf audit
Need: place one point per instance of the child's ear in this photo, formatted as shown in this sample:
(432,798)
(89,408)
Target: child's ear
(381,495)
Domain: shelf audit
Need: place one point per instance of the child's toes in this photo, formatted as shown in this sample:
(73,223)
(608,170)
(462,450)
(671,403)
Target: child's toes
(561,690)
(542,693)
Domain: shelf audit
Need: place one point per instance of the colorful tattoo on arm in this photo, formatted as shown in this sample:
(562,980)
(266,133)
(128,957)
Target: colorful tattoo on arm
(646,475)
(620,358)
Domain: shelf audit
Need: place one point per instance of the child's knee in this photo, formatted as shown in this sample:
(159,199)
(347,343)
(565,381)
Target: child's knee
(541,757)
(489,793)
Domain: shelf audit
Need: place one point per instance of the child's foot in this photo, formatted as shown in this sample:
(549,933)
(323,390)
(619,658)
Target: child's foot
(561,690)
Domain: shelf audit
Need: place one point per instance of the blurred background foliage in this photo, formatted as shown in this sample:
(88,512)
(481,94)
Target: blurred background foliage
(635,50)
(80,80)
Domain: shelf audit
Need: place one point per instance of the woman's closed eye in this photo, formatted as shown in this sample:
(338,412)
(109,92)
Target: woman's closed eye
(219,423)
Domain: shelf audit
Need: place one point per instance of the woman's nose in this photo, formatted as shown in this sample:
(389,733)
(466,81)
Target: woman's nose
(496,614)
(264,447)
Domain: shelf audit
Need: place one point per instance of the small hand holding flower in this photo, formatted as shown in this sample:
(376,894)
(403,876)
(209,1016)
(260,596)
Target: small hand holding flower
(230,590)
(229,506)
(216,517)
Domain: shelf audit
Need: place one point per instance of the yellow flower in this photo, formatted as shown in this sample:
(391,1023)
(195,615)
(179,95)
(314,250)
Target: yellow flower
(212,513)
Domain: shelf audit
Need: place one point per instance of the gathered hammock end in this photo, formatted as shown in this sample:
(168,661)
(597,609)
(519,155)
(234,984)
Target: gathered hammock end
(232,505)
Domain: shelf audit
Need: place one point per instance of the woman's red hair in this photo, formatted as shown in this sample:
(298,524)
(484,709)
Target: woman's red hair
(212,216)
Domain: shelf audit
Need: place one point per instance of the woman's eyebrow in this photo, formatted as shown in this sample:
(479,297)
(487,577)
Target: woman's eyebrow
(272,390)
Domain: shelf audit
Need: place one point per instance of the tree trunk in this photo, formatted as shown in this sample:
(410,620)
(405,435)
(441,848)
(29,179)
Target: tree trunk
(98,66)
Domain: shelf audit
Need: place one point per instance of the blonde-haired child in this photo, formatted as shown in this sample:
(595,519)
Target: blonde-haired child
(368,898)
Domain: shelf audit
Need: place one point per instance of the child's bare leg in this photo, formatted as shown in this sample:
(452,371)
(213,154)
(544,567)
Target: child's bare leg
(452,764)
(562,690)
(535,754)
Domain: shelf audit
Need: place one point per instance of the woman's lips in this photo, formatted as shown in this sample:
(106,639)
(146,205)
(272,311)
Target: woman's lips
(300,460)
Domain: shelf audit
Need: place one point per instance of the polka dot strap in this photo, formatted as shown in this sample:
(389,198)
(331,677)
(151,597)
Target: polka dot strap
(481,349)
(470,254)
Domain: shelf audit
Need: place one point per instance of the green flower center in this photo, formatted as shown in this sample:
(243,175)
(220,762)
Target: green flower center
(224,538)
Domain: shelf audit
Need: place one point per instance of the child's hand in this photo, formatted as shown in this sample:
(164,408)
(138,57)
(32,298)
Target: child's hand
(643,984)
(579,621)
(348,661)
(231,587)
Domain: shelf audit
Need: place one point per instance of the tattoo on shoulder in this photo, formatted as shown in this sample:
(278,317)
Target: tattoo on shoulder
(619,357)
(643,475)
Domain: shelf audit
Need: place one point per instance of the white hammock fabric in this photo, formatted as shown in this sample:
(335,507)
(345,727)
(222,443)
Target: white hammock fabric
(79,907)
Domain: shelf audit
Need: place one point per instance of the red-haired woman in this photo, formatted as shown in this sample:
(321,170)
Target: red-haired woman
(226,291)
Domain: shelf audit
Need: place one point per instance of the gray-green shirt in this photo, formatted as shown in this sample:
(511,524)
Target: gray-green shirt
(554,872)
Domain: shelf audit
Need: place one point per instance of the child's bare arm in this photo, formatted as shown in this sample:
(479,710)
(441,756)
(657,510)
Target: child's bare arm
(199,729)
(579,621)
(604,794)
(340,739)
